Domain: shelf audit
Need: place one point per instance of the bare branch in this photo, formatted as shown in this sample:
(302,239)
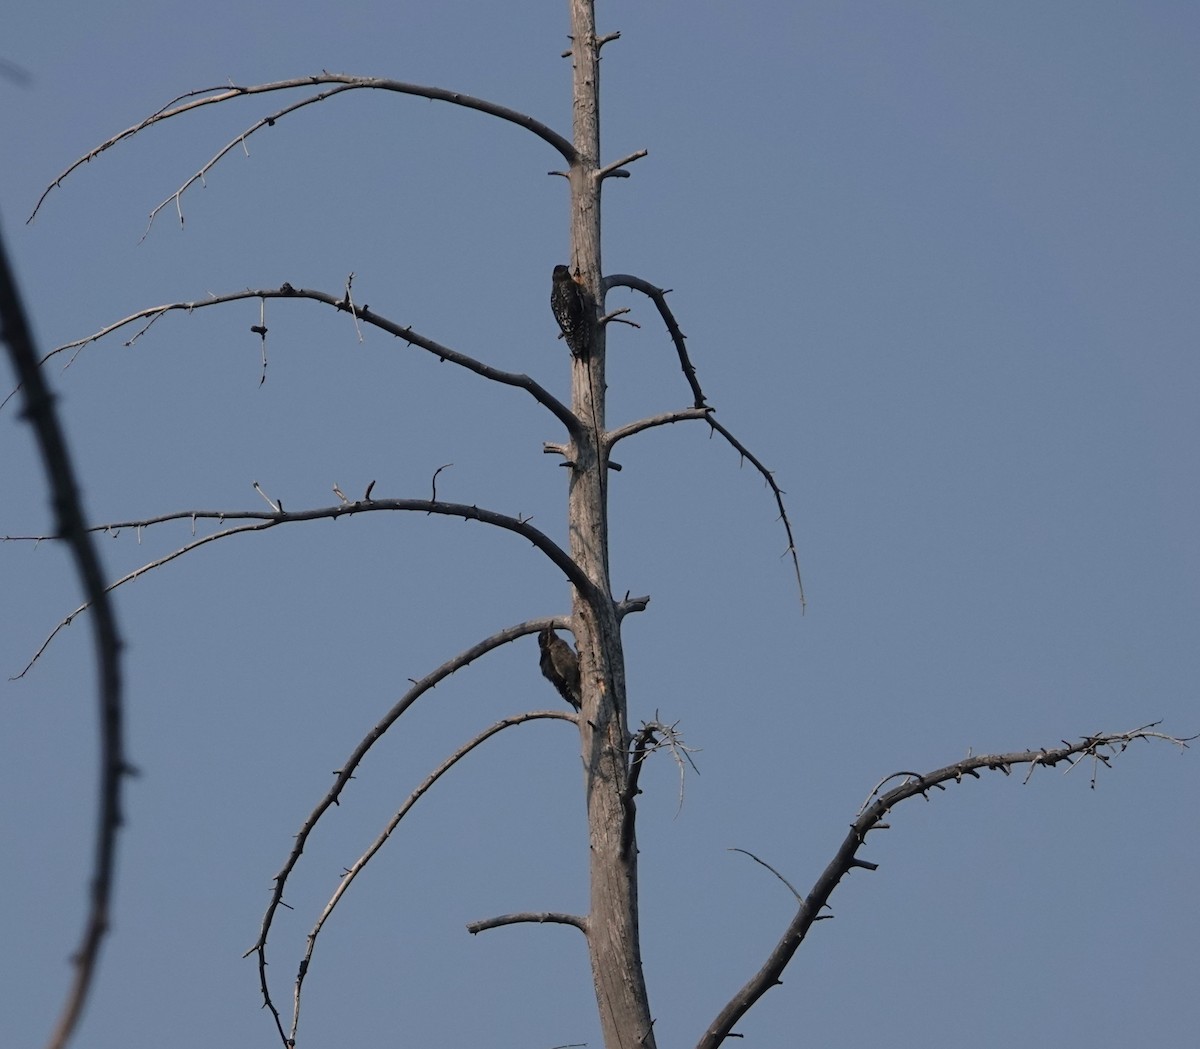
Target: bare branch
(871,816)
(348,298)
(764,863)
(653,736)
(275,507)
(70,522)
(769,477)
(129,577)
(629,429)
(264,520)
(353,871)
(537,917)
(706,413)
(212,96)
(361,313)
(346,773)
(616,168)
(433,481)
(658,297)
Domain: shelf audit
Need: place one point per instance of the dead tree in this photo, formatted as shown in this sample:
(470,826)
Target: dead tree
(590,677)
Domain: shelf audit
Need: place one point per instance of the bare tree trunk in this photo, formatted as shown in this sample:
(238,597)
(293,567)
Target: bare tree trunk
(616,960)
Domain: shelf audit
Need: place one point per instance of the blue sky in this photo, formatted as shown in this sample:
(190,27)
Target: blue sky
(937,265)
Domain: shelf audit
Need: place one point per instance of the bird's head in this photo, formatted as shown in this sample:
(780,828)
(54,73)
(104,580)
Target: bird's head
(562,272)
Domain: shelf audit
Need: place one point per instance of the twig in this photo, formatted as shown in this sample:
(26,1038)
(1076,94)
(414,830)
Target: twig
(764,863)
(769,477)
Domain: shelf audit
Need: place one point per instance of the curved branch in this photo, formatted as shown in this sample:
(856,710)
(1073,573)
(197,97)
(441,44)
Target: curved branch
(352,872)
(360,313)
(1099,747)
(537,917)
(706,413)
(187,102)
(265,519)
(769,477)
(68,511)
(658,297)
(629,429)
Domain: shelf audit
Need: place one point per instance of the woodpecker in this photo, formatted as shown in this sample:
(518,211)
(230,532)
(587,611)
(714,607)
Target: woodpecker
(560,665)
(569,304)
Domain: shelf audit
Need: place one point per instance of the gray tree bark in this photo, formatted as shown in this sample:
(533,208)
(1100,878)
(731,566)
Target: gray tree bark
(613,944)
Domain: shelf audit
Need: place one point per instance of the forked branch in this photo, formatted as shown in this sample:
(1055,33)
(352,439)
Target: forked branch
(353,871)
(700,409)
(1100,748)
(262,520)
(341,82)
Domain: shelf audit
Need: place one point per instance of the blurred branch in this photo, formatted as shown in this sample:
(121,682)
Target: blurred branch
(69,523)
(1100,748)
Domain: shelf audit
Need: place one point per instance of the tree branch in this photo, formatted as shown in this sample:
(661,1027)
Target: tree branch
(871,816)
(353,871)
(346,773)
(617,168)
(769,477)
(629,429)
(538,917)
(359,313)
(266,519)
(659,297)
(189,101)
(69,521)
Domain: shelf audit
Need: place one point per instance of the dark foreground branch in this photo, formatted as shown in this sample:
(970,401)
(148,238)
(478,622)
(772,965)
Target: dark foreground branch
(70,525)
(1100,748)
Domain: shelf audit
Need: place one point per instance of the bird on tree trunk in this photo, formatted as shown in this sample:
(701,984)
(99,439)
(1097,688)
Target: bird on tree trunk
(560,665)
(569,304)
